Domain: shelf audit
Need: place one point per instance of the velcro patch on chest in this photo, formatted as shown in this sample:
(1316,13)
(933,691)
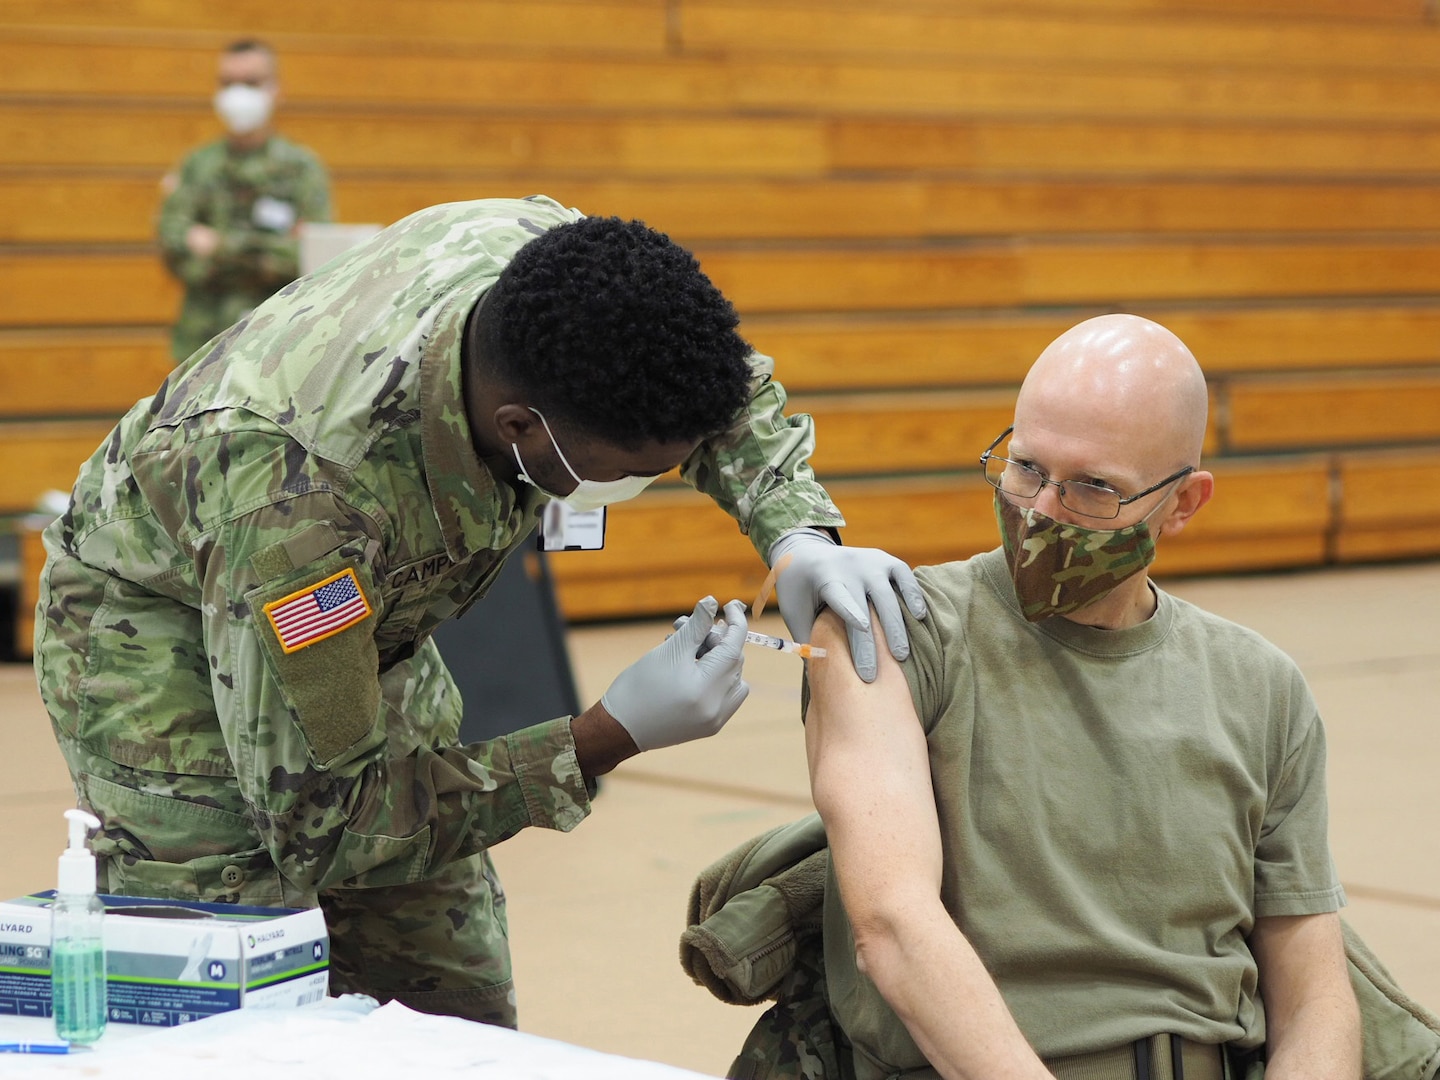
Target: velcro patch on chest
(318,611)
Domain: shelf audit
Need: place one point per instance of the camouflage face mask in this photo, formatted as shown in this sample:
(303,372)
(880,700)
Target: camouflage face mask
(1060,568)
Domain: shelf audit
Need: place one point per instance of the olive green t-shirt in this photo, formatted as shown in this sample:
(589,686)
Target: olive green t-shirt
(1117,808)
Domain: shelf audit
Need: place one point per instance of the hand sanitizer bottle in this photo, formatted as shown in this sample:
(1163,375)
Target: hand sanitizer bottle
(77,944)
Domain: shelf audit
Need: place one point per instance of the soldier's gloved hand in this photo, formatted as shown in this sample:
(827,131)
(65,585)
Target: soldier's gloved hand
(674,694)
(713,636)
(849,581)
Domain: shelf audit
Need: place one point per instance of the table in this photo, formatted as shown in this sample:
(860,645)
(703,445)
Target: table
(346,1038)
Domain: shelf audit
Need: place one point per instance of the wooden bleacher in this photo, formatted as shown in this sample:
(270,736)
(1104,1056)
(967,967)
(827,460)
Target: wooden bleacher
(906,201)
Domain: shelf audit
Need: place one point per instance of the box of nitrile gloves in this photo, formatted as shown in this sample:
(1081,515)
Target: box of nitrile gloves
(171,961)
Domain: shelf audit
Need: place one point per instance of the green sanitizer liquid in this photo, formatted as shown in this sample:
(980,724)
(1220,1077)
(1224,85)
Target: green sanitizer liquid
(77,940)
(78,988)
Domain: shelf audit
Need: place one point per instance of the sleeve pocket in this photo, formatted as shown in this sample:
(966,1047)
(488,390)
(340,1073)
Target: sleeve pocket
(316,627)
(364,861)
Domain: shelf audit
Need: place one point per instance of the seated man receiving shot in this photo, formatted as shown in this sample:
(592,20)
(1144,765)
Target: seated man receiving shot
(1082,830)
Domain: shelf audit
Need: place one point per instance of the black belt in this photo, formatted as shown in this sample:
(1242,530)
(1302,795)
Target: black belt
(1160,1057)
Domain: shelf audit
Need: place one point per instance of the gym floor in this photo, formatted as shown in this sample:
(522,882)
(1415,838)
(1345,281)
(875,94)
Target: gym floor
(595,915)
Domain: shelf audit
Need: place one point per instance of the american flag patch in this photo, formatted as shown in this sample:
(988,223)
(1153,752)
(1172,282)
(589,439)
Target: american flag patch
(319,611)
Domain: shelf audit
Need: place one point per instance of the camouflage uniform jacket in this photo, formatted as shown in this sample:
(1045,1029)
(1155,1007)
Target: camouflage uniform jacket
(254,199)
(325,438)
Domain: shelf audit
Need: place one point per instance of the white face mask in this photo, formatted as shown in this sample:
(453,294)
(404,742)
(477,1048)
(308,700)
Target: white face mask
(588,494)
(244,108)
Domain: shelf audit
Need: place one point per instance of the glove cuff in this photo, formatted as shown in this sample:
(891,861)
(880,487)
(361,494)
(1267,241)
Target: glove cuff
(797,538)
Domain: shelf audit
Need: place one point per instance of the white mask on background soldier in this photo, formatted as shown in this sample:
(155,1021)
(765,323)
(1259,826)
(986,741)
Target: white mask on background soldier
(244,108)
(588,494)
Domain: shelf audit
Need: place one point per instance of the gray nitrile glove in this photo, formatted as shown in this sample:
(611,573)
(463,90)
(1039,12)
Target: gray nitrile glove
(671,694)
(821,574)
(713,636)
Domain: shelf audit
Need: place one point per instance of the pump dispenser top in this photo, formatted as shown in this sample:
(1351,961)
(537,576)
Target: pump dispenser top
(77,862)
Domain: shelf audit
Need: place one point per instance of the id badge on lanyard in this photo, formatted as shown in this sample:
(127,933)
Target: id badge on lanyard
(564,529)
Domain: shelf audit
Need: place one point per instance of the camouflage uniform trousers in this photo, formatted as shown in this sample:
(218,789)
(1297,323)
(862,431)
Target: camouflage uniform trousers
(437,945)
(796,1039)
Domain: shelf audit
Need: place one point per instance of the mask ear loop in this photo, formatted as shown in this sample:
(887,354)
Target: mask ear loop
(768,586)
(555,443)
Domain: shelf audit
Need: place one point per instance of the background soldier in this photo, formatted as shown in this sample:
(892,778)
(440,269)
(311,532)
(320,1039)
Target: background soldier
(227,227)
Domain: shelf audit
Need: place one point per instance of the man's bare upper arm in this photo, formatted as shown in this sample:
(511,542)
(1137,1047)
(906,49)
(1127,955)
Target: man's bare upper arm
(870,777)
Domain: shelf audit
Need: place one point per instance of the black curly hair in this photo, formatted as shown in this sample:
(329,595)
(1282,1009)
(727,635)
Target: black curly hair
(611,329)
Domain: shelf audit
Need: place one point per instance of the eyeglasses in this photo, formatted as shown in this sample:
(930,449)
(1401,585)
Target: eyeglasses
(1077,496)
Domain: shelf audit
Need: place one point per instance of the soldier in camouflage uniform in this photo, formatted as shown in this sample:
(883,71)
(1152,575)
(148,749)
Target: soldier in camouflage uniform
(227,226)
(233,636)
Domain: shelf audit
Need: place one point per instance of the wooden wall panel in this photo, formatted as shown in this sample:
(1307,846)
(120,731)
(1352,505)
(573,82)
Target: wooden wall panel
(73,136)
(858,85)
(582,25)
(1039,274)
(1227,554)
(32,559)
(120,207)
(877,352)
(1389,504)
(904,433)
(1054,37)
(1293,12)
(1264,496)
(64,136)
(984,348)
(55,135)
(1265,514)
(36,457)
(85,289)
(1309,336)
(896,434)
(1389,488)
(1345,410)
(641,26)
(79,373)
(1113,147)
(1413,12)
(78,208)
(39,287)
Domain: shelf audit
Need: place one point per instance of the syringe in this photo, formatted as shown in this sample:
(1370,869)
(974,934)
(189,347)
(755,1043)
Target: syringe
(765,641)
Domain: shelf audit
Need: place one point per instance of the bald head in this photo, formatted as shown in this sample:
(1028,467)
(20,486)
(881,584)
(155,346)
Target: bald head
(1117,402)
(1121,382)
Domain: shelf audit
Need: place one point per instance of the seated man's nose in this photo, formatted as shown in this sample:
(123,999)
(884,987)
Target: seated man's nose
(1048,502)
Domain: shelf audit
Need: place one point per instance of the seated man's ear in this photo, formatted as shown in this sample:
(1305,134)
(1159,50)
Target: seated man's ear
(1193,493)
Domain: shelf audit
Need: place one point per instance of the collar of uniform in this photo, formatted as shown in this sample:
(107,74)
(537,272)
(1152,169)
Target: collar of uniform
(474,512)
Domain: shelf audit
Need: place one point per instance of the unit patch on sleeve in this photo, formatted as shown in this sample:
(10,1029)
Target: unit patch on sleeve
(318,611)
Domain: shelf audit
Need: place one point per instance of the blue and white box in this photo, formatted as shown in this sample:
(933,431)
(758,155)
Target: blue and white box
(172,961)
